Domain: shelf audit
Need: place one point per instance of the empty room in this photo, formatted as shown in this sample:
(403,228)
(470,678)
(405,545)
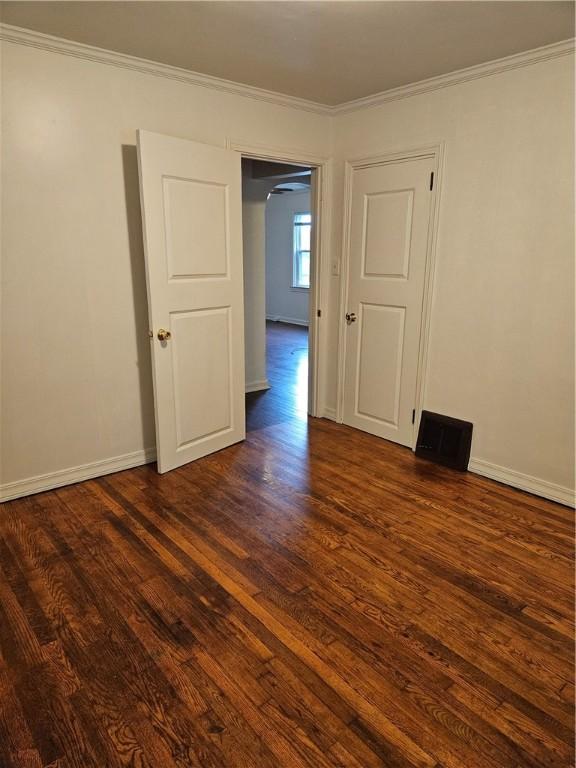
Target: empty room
(287,384)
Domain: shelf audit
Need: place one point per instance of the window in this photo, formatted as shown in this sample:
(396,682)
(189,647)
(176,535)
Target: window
(301,252)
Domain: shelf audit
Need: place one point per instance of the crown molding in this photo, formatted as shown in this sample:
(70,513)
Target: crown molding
(494,67)
(54,44)
(46,42)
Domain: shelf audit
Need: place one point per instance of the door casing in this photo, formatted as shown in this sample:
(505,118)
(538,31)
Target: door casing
(437,152)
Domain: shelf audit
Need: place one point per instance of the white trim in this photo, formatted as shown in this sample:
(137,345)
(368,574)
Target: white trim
(321,203)
(290,155)
(257,386)
(83,472)
(436,151)
(329,413)
(395,155)
(487,69)
(75,474)
(343,297)
(528,483)
(422,377)
(289,320)
(45,42)
(54,44)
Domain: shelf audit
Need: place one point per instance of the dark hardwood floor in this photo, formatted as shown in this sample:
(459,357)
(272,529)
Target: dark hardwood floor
(287,399)
(314,597)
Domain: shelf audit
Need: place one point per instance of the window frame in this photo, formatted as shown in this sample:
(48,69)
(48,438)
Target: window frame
(296,258)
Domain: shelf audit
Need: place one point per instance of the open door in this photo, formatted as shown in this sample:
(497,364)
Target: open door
(192,219)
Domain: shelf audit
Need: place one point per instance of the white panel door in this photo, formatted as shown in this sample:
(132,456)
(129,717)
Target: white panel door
(388,225)
(191,210)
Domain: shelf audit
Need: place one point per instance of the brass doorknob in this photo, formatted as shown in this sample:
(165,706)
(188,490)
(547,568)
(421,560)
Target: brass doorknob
(164,335)
(350,317)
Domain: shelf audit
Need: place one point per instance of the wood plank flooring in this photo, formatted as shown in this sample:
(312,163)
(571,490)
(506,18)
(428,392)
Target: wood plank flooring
(311,598)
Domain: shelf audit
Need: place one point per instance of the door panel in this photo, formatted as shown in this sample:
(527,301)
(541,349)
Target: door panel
(203,394)
(188,206)
(389,218)
(387,225)
(381,331)
(191,210)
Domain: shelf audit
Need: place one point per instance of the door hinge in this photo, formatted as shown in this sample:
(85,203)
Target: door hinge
(413,415)
(431,180)
(318,313)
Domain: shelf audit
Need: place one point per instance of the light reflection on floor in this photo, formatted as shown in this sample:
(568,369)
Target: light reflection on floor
(301,386)
(279,416)
(287,369)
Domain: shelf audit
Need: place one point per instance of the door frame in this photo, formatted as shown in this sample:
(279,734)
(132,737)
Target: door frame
(436,151)
(318,296)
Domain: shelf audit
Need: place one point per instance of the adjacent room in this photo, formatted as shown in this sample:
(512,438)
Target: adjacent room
(278,249)
(287,384)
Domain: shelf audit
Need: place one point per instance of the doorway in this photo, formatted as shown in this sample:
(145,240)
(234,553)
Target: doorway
(279,258)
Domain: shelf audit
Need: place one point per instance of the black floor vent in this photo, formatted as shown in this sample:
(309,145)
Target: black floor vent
(444,440)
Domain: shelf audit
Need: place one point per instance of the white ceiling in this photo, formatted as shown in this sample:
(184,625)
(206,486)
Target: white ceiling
(327,52)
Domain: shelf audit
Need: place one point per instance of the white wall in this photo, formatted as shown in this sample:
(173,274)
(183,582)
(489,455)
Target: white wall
(502,351)
(283,302)
(254,194)
(76,382)
(76,386)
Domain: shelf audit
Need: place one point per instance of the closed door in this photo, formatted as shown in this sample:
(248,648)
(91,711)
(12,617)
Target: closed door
(388,225)
(191,210)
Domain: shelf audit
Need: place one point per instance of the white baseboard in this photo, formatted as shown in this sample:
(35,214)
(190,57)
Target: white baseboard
(82,472)
(290,320)
(329,413)
(75,474)
(525,482)
(257,386)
